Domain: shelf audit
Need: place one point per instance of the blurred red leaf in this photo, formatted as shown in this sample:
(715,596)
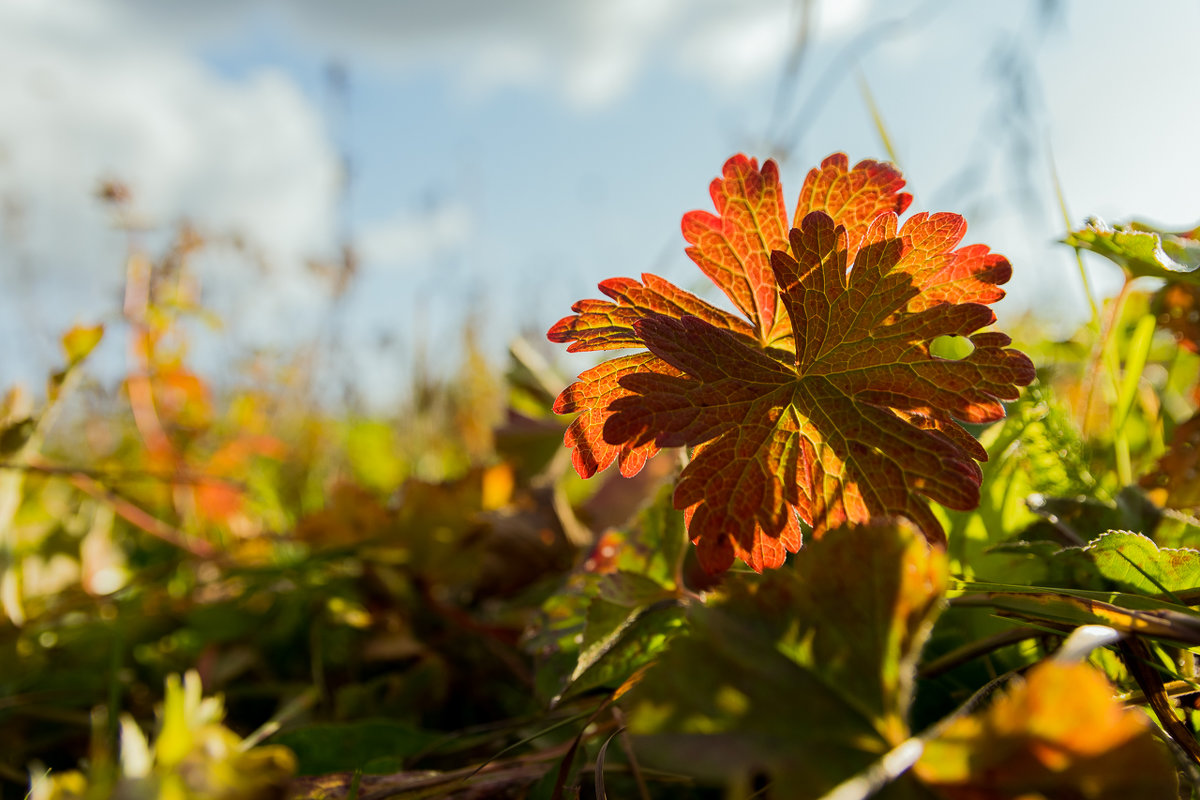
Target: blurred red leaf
(1177,306)
(827,406)
(218,499)
(1175,480)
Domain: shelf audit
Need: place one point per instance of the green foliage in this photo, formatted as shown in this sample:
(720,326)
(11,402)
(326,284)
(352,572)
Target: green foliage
(1142,250)
(373,746)
(810,696)
(1134,563)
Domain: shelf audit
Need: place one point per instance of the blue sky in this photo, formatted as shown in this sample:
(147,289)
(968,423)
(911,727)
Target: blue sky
(508,156)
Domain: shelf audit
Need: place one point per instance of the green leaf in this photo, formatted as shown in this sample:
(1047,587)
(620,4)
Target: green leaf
(343,747)
(866,605)
(618,640)
(805,674)
(1116,559)
(631,590)
(1137,564)
(585,628)
(1141,250)
(726,704)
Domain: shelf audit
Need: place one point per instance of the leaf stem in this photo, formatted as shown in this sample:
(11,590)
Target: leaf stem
(1083,278)
(1102,354)
(877,118)
(140,518)
(972,650)
(1103,350)
(627,745)
(1171,688)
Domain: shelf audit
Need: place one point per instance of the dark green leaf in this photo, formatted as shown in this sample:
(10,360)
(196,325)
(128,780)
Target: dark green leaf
(343,747)
(618,640)
(805,674)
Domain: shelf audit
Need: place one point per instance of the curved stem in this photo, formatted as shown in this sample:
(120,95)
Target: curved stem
(973,650)
(1100,352)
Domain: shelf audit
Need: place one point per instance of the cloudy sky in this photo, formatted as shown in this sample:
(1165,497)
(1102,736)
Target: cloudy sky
(496,160)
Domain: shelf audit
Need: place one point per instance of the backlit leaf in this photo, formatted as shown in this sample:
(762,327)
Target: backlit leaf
(1118,559)
(1057,734)
(618,639)
(1137,564)
(1141,250)
(825,404)
(870,598)
(805,675)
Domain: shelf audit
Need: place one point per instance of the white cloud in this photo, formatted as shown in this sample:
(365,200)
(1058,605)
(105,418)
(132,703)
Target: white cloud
(86,99)
(589,51)
(735,48)
(742,43)
(839,17)
(416,239)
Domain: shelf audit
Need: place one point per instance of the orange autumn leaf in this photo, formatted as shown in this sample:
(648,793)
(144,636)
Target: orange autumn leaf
(220,496)
(1058,734)
(822,403)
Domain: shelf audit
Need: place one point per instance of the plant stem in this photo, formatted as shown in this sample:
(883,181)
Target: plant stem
(1103,353)
(1083,278)
(972,650)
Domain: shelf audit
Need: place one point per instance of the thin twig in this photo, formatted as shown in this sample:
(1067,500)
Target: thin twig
(1170,689)
(142,519)
(1110,323)
(839,67)
(123,476)
(1137,658)
(627,745)
(790,74)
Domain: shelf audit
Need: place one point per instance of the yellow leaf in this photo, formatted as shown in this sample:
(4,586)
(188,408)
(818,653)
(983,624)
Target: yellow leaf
(79,342)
